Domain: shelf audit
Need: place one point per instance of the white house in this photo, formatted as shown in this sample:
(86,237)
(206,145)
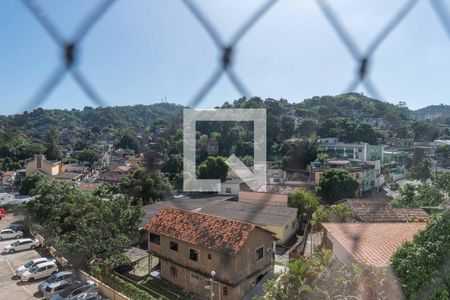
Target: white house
(230,187)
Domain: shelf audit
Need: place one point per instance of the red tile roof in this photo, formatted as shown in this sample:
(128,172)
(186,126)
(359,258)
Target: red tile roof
(210,232)
(372,243)
(120,169)
(87,187)
(368,210)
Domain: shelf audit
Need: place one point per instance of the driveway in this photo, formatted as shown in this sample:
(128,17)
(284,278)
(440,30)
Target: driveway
(10,287)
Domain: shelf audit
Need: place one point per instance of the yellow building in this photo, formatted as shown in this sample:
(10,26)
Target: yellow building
(41,164)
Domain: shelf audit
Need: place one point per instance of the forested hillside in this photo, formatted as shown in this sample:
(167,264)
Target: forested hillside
(137,117)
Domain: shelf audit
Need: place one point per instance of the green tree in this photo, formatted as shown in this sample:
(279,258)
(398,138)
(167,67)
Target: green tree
(82,226)
(81,145)
(421,171)
(89,156)
(248,161)
(299,154)
(27,150)
(336,213)
(53,150)
(418,196)
(423,264)
(213,168)
(30,183)
(146,187)
(337,184)
(322,157)
(173,165)
(305,201)
(323,277)
(442,182)
(129,141)
(7,164)
(306,128)
(287,126)
(425,131)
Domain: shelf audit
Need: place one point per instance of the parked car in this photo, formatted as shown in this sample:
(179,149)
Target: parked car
(74,290)
(89,296)
(20,270)
(56,287)
(8,233)
(63,275)
(39,271)
(22,244)
(2,213)
(16,227)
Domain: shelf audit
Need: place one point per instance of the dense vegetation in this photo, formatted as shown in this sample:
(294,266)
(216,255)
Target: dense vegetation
(82,226)
(348,116)
(423,264)
(322,277)
(337,184)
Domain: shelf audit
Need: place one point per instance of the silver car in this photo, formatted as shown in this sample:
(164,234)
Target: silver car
(89,296)
(63,275)
(75,289)
(56,287)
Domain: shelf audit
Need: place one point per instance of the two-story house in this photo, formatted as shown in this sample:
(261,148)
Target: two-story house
(191,245)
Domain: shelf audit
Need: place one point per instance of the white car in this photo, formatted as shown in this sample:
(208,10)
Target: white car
(8,233)
(20,270)
(39,271)
(22,244)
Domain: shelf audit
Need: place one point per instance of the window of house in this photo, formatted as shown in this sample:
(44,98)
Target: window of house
(173,272)
(209,256)
(173,246)
(193,254)
(225,291)
(259,253)
(276,180)
(228,190)
(194,278)
(155,238)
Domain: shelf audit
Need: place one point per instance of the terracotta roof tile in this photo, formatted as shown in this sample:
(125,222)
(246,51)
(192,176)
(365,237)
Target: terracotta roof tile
(211,232)
(87,187)
(373,243)
(368,210)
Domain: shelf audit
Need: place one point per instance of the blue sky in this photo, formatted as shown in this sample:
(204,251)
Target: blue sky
(142,51)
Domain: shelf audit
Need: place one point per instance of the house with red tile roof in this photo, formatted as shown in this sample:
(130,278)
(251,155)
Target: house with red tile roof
(367,210)
(371,243)
(191,245)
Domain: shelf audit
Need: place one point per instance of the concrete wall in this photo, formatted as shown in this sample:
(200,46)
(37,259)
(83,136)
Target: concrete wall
(234,188)
(103,288)
(285,231)
(230,269)
(338,250)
